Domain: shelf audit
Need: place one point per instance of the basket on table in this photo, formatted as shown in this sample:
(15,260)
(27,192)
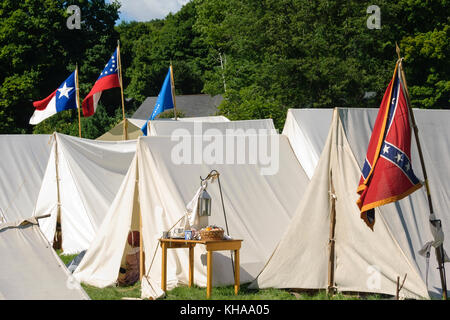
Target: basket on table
(213,234)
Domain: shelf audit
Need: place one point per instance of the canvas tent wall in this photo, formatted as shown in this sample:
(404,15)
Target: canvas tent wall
(30,269)
(89,175)
(365,261)
(167,128)
(307,131)
(24,158)
(258,207)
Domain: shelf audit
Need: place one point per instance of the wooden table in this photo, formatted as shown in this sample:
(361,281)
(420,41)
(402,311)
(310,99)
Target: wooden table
(211,245)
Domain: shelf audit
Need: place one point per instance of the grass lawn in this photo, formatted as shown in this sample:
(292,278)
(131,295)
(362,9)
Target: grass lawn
(218,293)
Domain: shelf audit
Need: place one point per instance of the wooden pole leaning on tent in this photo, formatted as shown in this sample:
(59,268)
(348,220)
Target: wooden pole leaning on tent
(125,124)
(172,84)
(78,100)
(440,249)
(141,249)
(332,242)
(58,235)
(399,287)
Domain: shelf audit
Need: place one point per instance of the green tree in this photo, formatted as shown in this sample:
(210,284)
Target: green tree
(294,53)
(38,51)
(158,43)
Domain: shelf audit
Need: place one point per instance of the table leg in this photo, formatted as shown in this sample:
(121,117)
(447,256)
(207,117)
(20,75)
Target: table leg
(191,266)
(209,274)
(236,272)
(164,267)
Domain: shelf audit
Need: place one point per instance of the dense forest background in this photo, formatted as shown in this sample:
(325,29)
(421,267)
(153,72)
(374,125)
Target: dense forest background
(263,56)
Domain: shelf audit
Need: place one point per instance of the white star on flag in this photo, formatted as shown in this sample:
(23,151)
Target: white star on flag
(399,157)
(64,91)
(407,166)
(386,149)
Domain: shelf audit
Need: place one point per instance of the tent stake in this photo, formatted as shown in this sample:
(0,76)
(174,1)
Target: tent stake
(440,249)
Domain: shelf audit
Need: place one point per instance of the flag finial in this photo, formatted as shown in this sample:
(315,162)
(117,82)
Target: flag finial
(397,49)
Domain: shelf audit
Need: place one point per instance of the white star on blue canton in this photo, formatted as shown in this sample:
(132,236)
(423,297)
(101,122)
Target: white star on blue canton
(64,91)
(399,157)
(386,149)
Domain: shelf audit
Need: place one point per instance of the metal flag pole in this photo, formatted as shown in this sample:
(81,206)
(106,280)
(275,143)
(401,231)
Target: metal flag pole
(440,249)
(125,124)
(172,83)
(78,100)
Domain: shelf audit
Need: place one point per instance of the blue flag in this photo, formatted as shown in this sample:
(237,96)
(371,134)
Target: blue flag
(164,101)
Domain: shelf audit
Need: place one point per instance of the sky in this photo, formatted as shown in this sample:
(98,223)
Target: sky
(146,10)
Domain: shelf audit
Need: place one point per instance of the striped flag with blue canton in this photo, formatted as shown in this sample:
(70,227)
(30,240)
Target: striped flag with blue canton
(387,173)
(63,98)
(164,101)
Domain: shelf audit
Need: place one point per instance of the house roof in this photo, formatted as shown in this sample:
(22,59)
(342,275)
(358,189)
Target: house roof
(193,105)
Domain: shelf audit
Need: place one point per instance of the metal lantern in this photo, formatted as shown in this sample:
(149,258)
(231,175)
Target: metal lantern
(204,204)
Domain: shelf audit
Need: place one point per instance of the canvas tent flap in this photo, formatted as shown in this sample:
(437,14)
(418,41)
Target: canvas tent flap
(90,174)
(30,268)
(301,255)
(365,261)
(24,158)
(101,263)
(307,131)
(258,207)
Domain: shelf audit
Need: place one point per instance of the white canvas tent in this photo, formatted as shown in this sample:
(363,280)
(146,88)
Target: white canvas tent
(365,261)
(167,128)
(30,269)
(22,167)
(307,131)
(89,174)
(116,133)
(134,127)
(258,207)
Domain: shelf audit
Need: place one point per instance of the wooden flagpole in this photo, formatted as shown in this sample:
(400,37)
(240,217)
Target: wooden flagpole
(78,100)
(172,83)
(125,125)
(440,249)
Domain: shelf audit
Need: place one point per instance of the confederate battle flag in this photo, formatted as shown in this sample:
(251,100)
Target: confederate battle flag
(387,173)
(109,78)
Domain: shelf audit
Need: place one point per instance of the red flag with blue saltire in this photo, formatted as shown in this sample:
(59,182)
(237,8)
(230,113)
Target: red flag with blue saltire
(109,78)
(387,173)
